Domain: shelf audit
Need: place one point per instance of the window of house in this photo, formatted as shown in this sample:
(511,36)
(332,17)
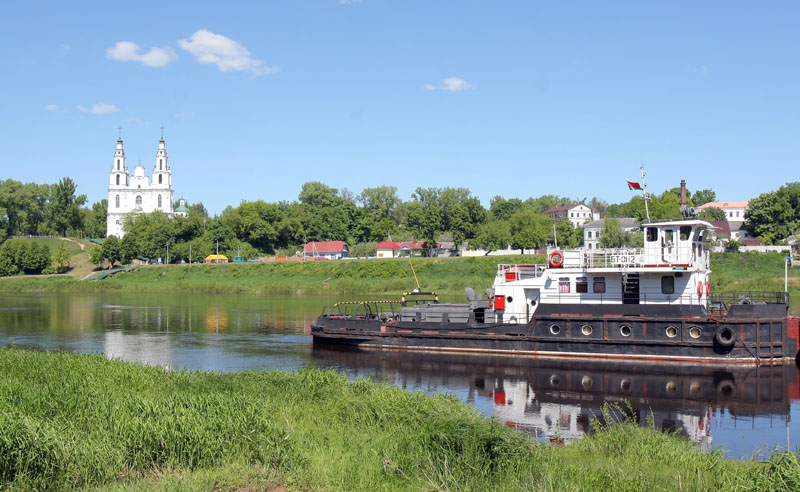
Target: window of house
(599,286)
(737,214)
(572,214)
(117,200)
(563,285)
(668,284)
(581,285)
(685,232)
(652,234)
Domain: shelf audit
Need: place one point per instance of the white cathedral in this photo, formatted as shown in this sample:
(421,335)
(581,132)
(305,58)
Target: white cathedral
(138,193)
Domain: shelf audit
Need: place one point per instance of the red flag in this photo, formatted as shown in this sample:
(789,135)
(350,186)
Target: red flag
(633,185)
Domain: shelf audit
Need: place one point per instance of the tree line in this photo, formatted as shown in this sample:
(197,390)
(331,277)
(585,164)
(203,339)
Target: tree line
(324,213)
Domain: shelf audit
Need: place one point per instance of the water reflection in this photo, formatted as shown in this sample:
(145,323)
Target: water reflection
(742,410)
(559,400)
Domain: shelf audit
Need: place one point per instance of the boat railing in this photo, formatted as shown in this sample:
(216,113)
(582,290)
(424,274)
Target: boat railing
(520,271)
(617,298)
(722,299)
(610,258)
(363,309)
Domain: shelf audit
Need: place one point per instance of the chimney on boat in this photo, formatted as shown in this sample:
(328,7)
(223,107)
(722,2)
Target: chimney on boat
(683,193)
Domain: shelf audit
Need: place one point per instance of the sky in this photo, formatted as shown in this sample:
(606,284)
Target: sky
(511,98)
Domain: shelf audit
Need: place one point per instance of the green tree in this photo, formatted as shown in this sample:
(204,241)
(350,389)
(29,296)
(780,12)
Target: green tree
(775,215)
(319,195)
(127,249)
(701,197)
(95,220)
(614,236)
(111,249)
(492,236)
(502,209)
(379,202)
(61,258)
(713,214)
(96,257)
(530,230)
(63,209)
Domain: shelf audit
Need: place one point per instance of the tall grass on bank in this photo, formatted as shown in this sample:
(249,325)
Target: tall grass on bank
(751,272)
(75,421)
(445,275)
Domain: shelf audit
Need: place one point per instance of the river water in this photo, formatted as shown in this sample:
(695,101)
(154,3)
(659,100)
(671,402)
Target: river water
(746,412)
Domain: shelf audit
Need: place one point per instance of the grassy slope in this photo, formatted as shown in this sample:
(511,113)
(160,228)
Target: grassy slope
(732,271)
(446,275)
(71,421)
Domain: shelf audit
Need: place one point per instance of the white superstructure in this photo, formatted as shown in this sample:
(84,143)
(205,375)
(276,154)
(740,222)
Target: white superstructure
(671,269)
(138,193)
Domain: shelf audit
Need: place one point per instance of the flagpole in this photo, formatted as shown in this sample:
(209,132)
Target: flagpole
(644,194)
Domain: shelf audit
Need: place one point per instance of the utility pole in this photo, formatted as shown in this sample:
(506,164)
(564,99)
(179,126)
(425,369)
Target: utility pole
(167,252)
(190,253)
(555,236)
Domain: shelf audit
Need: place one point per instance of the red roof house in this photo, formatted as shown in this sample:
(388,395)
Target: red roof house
(326,249)
(391,249)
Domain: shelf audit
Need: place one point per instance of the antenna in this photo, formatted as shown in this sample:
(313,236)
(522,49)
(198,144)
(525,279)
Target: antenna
(645,196)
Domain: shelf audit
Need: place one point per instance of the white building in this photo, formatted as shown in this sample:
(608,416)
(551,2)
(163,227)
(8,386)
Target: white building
(734,211)
(137,193)
(577,213)
(592,230)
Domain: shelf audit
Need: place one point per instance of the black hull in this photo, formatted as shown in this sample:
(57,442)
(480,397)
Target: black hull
(574,334)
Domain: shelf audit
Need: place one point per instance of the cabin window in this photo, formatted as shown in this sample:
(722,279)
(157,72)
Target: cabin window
(581,285)
(563,285)
(668,284)
(669,235)
(652,234)
(686,231)
(599,285)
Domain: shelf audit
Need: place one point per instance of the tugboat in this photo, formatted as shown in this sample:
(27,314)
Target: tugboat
(634,304)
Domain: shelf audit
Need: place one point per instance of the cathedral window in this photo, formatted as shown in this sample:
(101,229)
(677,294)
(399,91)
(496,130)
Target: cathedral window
(160,163)
(117,178)
(117,166)
(159,196)
(117,201)
(139,202)
(159,178)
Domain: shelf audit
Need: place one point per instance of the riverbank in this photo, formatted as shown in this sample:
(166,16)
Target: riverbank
(77,421)
(448,276)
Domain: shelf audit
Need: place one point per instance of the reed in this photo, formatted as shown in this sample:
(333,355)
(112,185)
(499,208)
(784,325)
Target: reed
(72,421)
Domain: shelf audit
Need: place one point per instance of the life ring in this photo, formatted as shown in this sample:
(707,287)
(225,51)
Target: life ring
(556,259)
(699,289)
(725,336)
(708,289)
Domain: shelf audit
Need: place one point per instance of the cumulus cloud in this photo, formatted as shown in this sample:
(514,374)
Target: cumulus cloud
(99,108)
(227,54)
(128,51)
(453,84)
(51,107)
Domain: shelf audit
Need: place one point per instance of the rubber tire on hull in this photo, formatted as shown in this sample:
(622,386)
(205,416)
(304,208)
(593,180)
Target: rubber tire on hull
(725,336)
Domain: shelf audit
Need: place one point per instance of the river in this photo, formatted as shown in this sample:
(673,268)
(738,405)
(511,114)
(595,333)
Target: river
(746,412)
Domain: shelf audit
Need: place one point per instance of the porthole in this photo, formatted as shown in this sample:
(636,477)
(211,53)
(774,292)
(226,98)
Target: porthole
(509,299)
(694,388)
(586,330)
(672,332)
(587,382)
(695,332)
(625,385)
(555,381)
(625,330)
(671,387)
(555,328)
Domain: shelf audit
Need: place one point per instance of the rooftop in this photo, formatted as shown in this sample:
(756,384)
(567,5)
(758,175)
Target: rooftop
(723,205)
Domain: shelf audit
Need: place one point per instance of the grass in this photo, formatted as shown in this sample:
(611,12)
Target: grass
(71,421)
(449,276)
(445,275)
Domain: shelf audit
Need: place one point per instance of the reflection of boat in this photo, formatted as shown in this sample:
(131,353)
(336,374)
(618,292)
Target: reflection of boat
(646,304)
(556,398)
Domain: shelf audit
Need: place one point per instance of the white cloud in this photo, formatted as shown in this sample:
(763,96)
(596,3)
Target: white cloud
(128,51)
(51,107)
(99,108)
(452,84)
(227,54)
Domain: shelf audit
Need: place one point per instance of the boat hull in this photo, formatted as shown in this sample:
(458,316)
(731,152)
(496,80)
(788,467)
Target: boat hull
(689,339)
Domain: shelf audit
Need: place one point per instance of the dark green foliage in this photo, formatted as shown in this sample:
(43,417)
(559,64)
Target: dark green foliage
(775,215)
(713,214)
(21,256)
(63,208)
(111,250)
(613,236)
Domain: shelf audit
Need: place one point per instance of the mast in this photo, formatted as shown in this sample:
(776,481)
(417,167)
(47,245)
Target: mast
(645,196)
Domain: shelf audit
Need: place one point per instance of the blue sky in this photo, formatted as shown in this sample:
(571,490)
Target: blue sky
(504,98)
